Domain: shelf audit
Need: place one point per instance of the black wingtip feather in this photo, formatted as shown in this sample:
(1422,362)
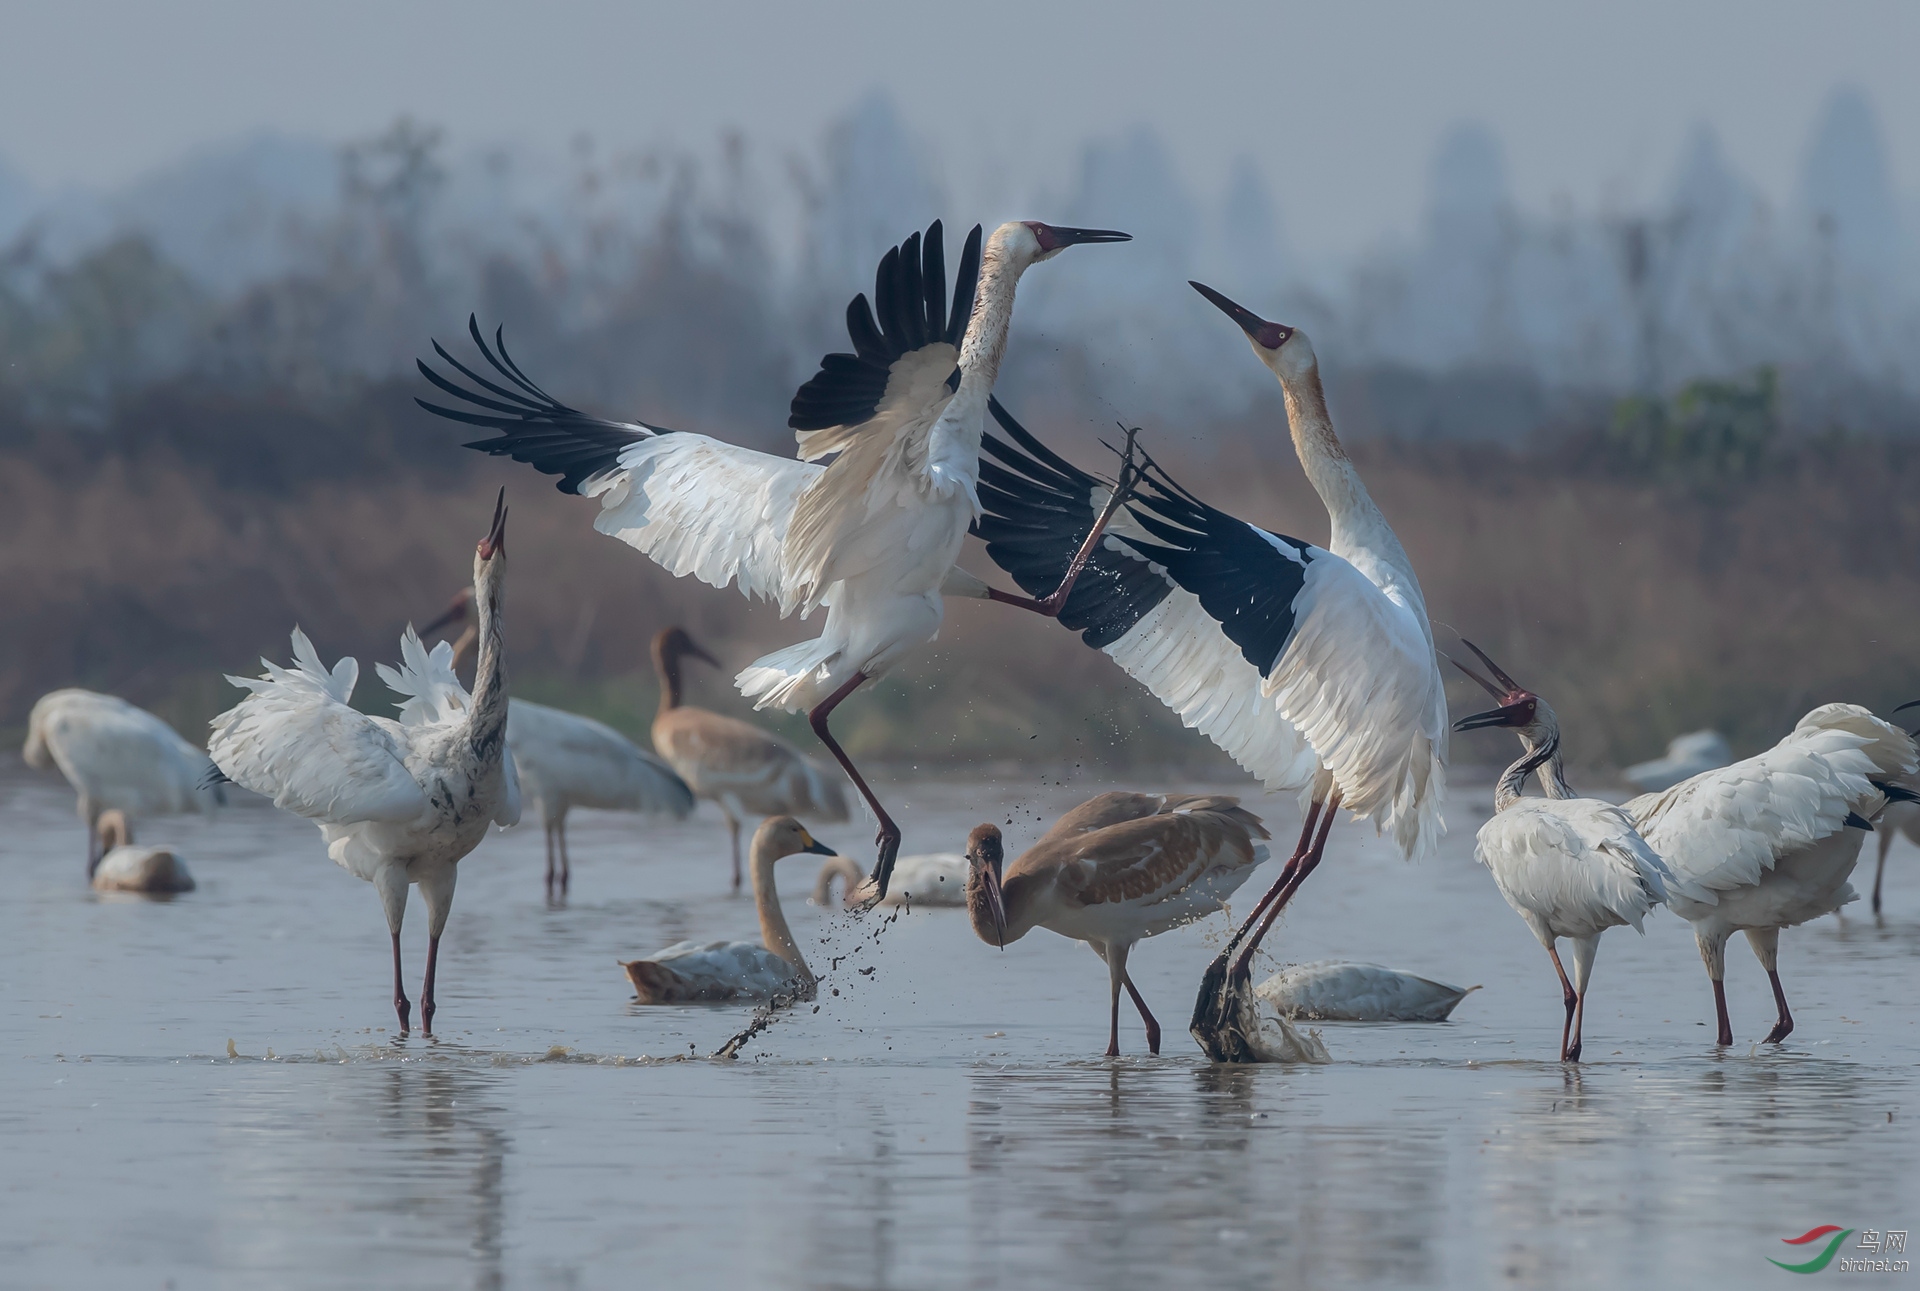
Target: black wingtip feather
(908,311)
(534,427)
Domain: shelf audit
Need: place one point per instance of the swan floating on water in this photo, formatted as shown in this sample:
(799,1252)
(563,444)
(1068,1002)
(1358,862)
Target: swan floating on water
(126,868)
(930,879)
(737,970)
(1335,990)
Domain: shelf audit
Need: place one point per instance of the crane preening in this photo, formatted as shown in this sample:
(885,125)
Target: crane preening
(399,802)
(1769,843)
(873,534)
(1312,667)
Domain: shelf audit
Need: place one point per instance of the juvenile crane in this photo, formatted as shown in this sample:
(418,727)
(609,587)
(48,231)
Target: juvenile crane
(1569,866)
(1313,667)
(399,802)
(1769,843)
(1115,869)
(745,771)
(873,535)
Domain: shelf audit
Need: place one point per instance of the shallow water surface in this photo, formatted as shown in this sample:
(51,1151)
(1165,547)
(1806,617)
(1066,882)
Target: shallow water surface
(943,1121)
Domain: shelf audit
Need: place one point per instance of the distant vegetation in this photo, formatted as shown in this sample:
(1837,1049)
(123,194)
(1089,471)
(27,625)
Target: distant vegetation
(187,470)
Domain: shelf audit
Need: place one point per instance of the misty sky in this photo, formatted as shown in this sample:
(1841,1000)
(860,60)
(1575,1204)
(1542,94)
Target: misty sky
(1340,103)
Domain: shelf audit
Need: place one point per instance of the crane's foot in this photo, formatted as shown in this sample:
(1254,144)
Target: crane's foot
(887,841)
(404,1008)
(426,1015)
(1573,1052)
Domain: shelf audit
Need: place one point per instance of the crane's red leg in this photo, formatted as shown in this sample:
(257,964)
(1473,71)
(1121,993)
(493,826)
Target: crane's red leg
(1153,1026)
(1052,604)
(1572,1001)
(426,989)
(400,1004)
(888,839)
(550,873)
(566,861)
(1784,1026)
(1282,891)
(1725,1036)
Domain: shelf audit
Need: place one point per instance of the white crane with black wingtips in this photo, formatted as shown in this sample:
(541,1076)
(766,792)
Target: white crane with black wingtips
(871,536)
(1312,666)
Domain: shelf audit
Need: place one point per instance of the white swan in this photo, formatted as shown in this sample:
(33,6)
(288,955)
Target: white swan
(930,879)
(126,868)
(1335,990)
(737,970)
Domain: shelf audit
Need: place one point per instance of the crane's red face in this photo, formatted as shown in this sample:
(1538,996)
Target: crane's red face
(1268,336)
(1519,707)
(1054,237)
(496,539)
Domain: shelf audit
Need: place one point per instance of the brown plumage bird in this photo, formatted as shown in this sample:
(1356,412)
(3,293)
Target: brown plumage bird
(1115,869)
(745,771)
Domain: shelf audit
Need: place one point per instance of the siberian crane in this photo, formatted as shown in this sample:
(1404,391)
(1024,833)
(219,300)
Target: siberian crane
(398,802)
(1769,843)
(1313,667)
(870,536)
(1569,866)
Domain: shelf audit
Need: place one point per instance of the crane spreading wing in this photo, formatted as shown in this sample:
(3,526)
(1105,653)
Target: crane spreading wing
(1282,653)
(296,740)
(780,529)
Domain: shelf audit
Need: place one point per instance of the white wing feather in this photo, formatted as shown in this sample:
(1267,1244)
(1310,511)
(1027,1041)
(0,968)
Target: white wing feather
(1576,863)
(295,740)
(703,507)
(118,754)
(1724,829)
(589,764)
(433,690)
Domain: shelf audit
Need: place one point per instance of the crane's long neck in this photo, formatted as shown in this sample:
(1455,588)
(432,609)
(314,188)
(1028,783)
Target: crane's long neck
(775,935)
(1543,755)
(1360,532)
(985,343)
(487,715)
(666,666)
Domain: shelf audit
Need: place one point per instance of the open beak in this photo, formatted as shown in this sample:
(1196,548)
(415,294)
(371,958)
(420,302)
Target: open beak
(1506,715)
(1270,335)
(496,536)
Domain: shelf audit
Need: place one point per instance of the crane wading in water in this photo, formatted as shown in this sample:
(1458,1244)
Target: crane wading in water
(871,536)
(399,802)
(1312,667)
(1569,866)
(1115,869)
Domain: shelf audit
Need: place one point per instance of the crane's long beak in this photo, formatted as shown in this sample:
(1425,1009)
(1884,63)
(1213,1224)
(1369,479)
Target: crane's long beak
(496,536)
(996,903)
(1270,335)
(1505,715)
(1068,237)
(453,613)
